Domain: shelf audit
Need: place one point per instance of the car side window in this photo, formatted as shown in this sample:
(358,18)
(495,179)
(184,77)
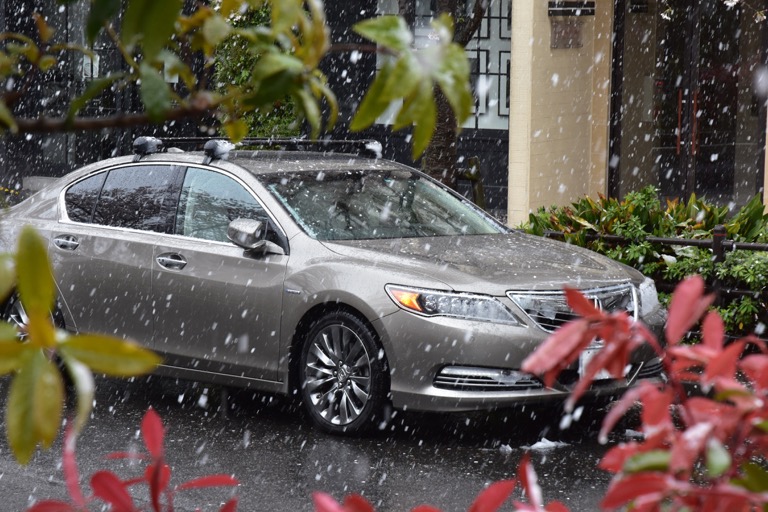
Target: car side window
(138,197)
(80,199)
(209,201)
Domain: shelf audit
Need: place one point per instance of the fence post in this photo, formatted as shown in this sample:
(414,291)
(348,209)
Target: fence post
(718,250)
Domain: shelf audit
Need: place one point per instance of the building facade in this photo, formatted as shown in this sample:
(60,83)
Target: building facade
(572,98)
(611,96)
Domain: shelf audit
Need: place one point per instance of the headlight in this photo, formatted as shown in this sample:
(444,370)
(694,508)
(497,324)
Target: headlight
(458,305)
(649,298)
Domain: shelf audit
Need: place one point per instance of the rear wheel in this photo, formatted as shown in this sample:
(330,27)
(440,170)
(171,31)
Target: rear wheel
(343,377)
(14,313)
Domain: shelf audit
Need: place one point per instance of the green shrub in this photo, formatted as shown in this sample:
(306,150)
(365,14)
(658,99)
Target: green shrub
(642,214)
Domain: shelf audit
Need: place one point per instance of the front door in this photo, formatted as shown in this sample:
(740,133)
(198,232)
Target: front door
(217,309)
(689,118)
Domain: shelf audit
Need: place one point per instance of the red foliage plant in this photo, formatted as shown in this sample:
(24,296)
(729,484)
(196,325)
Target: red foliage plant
(698,452)
(115,493)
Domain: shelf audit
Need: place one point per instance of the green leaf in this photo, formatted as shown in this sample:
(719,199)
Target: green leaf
(84,387)
(35,274)
(101,13)
(12,351)
(453,77)
(420,111)
(236,130)
(755,478)
(311,110)
(654,460)
(35,403)
(152,22)
(375,101)
(285,15)
(154,92)
(216,30)
(388,31)
(111,356)
(229,7)
(95,87)
(7,276)
(277,63)
(6,118)
(718,458)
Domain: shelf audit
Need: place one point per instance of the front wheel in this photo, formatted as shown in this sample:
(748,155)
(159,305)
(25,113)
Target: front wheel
(343,374)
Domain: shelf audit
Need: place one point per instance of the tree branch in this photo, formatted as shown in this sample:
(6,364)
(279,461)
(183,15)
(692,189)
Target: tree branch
(49,125)
(465,30)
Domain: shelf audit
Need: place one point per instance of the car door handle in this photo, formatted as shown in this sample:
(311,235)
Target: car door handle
(66,242)
(172,261)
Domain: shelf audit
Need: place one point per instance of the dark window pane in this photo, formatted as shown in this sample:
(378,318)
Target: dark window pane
(81,198)
(137,197)
(210,201)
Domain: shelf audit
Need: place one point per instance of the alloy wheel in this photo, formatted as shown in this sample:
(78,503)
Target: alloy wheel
(337,374)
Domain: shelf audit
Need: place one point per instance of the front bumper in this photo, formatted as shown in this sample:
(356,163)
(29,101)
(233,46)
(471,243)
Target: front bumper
(446,364)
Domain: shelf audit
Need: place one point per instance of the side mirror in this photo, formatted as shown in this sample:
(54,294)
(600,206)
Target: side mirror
(247,233)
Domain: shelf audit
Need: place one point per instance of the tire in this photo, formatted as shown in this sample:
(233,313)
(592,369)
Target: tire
(13,312)
(343,376)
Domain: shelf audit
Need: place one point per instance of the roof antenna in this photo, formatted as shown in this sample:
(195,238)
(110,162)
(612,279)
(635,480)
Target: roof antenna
(217,150)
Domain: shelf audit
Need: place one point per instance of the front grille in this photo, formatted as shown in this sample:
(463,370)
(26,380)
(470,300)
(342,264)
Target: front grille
(650,369)
(484,379)
(549,310)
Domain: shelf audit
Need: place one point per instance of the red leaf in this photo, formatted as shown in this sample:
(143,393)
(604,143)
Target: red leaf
(688,446)
(230,506)
(613,461)
(157,475)
(491,498)
(724,365)
(556,506)
(686,307)
(325,503)
(580,304)
(425,508)
(527,476)
(51,506)
(71,474)
(630,487)
(756,367)
(107,486)
(559,350)
(713,331)
(209,481)
(153,433)
(356,503)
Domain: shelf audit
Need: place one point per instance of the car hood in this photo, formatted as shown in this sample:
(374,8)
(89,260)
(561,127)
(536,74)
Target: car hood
(489,264)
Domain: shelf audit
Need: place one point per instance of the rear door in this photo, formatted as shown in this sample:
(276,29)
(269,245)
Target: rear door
(103,249)
(217,308)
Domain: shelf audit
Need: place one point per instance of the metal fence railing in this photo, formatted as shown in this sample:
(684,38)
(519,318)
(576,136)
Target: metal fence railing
(718,244)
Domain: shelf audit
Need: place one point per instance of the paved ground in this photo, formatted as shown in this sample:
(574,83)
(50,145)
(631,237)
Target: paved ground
(442,460)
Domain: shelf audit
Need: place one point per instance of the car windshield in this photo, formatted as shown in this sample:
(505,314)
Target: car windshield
(357,205)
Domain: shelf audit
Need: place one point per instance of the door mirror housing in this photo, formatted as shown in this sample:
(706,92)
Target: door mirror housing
(247,233)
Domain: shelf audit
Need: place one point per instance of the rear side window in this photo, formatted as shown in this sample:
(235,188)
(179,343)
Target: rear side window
(138,197)
(81,198)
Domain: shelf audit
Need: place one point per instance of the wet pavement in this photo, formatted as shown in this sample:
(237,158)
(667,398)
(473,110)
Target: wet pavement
(265,442)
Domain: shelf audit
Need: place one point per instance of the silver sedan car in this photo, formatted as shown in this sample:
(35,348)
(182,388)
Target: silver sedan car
(354,283)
